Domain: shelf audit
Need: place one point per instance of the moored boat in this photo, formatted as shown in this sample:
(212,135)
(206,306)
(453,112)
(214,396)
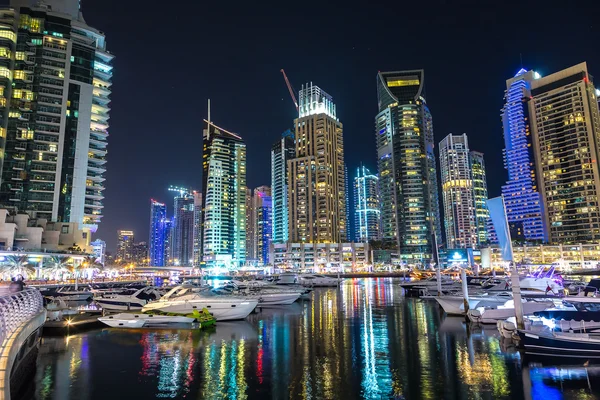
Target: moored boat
(578,345)
(127,320)
(127,299)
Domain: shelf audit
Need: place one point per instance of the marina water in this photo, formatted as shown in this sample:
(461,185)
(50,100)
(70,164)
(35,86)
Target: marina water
(363,340)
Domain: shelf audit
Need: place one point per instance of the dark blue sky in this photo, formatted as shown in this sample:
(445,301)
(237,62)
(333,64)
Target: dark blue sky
(172,56)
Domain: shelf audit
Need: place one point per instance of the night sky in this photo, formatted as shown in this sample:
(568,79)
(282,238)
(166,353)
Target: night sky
(173,56)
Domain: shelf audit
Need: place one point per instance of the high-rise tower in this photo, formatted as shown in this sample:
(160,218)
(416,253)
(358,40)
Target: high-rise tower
(366,206)
(223,197)
(316,178)
(524,205)
(183,229)
(262,207)
(157,240)
(56,76)
(464,193)
(565,124)
(281,151)
(407,166)
(125,242)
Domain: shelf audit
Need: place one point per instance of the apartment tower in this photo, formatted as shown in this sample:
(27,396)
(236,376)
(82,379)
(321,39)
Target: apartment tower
(281,151)
(367,215)
(565,126)
(316,178)
(223,197)
(55,74)
(406,165)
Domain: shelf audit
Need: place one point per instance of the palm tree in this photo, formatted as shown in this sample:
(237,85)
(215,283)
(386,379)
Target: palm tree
(15,265)
(58,265)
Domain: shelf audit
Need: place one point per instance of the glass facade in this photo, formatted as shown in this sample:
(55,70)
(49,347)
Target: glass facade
(55,75)
(282,151)
(566,135)
(407,166)
(223,221)
(183,230)
(524,205)
(464,193)
(156,243)
(366,206)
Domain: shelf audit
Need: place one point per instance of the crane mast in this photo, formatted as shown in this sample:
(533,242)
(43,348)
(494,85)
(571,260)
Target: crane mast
(289,86)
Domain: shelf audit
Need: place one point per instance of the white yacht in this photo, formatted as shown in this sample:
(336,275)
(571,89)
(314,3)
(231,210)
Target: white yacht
(185,299)
(127,299)
(455,305)
(316,280)
(431,282)
(266,295)
(492,314)
(126,320)
(542,281)
(71,292)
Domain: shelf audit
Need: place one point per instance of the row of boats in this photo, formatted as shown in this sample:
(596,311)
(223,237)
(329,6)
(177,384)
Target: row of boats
(555,323)
(234,300)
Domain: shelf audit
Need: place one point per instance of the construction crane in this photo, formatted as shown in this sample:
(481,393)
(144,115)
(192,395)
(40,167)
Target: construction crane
(183,192)
(289,86)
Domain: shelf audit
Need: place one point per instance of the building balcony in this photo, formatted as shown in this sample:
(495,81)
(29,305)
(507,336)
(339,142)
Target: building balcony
(96,149)
(99,133)
(18,166)
(22,146)
(94,204)
(95,168)
(94,195)
(94,186)
(95,178)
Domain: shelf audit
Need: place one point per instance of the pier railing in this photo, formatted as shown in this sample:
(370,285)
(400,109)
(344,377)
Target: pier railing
(17,308)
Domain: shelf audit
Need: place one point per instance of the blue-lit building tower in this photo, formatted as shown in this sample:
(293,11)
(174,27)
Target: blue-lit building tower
(263,207)
(524,204)
(367,215)
(281,151)
(158,234)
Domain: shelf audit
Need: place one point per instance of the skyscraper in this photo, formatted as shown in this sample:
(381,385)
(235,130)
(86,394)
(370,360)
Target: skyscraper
(223,197)
(56,75)
(157,240)
(367,215)
(263,215)
(197,220)
(183,229)
(125,245)
(282,151)
(316,178)
(565,123)
(464,193)
(524,205)
(250,223)
(406,164)
(480,196)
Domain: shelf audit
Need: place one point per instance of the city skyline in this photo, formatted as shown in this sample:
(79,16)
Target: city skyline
(358,57)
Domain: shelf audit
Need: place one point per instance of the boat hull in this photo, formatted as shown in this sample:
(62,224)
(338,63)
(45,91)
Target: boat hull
(279,299)
(119,305)
(492,316)
(125,320)
(559,345)
(222,311)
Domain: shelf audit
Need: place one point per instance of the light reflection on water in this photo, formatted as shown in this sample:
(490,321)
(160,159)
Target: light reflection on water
(362,341)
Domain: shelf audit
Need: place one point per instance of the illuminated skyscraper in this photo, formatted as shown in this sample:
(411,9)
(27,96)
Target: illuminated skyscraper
(316,178)
(250,223)
(464,193)
(367,215)
(262,207)
(157,240)
(183,229)
(55,79)
(480,196)
(197,221)
(223,197)
(125,245)
(282,151)
(524,205)
(406,165)
(565,125)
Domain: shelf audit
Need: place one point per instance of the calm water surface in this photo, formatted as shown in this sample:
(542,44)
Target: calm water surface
(362,341)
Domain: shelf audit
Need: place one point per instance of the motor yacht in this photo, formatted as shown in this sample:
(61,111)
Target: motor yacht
(494,313)
(316,280)
(542,281)
(185,299)
(431,282)
(455,305)
(126,320)
(127,299)
(266,296)
(70,292)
